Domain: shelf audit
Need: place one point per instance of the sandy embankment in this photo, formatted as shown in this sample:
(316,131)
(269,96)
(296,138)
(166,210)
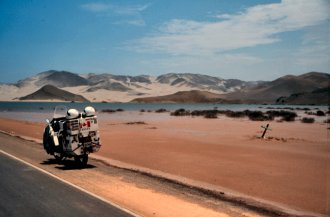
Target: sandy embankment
(290,169)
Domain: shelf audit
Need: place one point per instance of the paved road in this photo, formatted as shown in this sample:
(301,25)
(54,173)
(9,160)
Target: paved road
(25,191)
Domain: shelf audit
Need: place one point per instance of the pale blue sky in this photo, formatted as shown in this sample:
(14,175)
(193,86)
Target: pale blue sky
(249,40)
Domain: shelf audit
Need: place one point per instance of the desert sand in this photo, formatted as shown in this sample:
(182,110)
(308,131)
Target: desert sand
(291,167)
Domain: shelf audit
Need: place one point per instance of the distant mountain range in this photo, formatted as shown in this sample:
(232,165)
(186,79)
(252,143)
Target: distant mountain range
(309,88)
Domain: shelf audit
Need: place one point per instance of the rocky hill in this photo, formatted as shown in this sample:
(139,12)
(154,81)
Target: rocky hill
(55,78)
(285,86)
(49,92)
(318,96)
(193,96)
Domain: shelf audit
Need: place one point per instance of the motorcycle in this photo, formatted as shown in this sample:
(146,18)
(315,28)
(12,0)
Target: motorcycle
(72,134)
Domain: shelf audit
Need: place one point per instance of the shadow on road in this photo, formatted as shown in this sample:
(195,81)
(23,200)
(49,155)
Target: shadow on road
(66,164)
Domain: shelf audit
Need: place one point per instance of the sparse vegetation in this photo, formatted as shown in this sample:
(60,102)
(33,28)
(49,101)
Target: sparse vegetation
(289,117)
(181,112)
(317,113)
(108,110)
(211,114)
(304,109)
(283,108)
(252,115)
(286,115)
(162,110)
(135,122)
(235,114)
(307,120)
(197,113)
(258,116)
(320,113)
(205,113)
(112,110)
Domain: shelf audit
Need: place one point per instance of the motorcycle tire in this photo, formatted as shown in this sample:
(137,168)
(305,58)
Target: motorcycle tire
(59,157)
(81,160)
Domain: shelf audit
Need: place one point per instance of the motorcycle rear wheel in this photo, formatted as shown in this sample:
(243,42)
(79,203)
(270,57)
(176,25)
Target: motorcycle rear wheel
(59,157)
(81,160)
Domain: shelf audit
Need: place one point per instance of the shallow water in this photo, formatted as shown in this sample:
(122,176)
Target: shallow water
(40,111)
(49,106)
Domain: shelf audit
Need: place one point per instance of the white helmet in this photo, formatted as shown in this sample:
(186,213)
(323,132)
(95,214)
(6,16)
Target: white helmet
(89,111)
(72,113)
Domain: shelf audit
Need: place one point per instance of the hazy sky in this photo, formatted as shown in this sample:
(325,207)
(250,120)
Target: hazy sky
(249,40)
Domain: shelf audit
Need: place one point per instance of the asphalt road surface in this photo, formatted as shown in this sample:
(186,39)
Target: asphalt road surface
(25,191)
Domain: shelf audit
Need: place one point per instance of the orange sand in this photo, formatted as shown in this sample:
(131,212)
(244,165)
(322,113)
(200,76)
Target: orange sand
(292,168)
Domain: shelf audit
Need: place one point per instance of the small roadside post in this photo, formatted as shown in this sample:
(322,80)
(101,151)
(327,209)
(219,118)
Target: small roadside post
(266,128)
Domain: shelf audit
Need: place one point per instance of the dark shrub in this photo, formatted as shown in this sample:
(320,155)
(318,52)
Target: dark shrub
(161,110)
(307,120)
(198,113)
(233,114)
(286,115)
(289,116)
(120,110)
(302,109)
(258,116)
(109,110)
(142,110)
(181,112)
(205,113)
(320,113)
(211,114)
(254,115)
(327,121)
(136,122)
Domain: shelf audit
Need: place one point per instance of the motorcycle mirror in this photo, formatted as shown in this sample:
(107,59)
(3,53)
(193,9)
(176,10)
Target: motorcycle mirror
(47,121)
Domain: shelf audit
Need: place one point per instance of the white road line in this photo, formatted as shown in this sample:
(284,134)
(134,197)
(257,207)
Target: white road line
(72,185)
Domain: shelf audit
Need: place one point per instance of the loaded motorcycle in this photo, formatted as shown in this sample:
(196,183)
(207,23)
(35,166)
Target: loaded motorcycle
(72,134)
